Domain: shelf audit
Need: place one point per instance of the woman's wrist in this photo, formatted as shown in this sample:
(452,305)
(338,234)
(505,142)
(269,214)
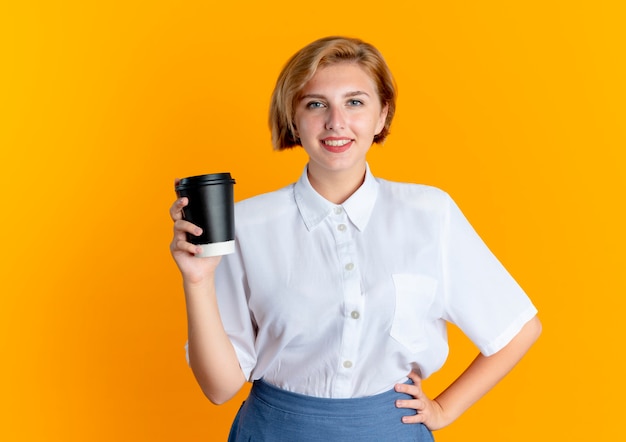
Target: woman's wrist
(200,285)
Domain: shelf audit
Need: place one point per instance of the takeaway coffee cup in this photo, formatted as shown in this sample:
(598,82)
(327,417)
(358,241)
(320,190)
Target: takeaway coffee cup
(211,207)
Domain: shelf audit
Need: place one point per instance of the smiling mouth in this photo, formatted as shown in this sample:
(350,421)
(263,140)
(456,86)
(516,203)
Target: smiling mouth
(336,143)
(337,146)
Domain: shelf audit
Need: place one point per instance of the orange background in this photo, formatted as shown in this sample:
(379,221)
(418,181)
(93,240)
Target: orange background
(515,108)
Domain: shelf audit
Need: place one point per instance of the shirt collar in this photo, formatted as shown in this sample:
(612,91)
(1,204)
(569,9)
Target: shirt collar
(314,208)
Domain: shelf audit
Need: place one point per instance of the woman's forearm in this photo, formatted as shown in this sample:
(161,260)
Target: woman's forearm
(485,372)
(211,354)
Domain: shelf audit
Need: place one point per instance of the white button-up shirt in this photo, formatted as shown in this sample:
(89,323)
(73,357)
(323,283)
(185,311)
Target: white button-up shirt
(343,301)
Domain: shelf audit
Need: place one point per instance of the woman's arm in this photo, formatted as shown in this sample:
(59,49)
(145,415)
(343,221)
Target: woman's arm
(211,355)
(480,377)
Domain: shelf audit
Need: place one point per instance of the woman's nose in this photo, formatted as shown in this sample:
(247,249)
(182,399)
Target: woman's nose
(336,119)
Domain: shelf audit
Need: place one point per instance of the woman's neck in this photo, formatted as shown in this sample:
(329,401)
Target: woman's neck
(336,187)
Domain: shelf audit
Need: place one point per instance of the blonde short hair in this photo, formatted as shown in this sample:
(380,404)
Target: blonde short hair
(301,67)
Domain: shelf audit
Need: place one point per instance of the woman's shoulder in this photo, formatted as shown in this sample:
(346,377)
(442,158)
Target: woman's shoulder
(413,193)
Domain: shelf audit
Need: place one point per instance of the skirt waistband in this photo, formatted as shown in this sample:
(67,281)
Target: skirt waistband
(297,403)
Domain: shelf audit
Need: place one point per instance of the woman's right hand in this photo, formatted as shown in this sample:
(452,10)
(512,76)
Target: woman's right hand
(194,270)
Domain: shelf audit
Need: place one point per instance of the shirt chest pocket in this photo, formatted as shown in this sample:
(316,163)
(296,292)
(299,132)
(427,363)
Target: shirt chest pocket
(414,296)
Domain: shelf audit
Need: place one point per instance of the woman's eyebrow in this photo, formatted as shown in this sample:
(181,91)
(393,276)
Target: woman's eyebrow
(346,95)
(355,93)
(304,97)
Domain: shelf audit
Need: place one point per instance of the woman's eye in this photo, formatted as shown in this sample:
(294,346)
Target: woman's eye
(314,105)
(355,102)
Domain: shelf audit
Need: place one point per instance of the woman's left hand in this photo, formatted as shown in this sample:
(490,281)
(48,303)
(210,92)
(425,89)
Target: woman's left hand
(429,412)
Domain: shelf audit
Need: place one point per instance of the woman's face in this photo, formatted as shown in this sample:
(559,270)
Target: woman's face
(337,116)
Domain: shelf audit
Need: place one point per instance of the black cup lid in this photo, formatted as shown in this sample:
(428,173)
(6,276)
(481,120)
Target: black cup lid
(204,180)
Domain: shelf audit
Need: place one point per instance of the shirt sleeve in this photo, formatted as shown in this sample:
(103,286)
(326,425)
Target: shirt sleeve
(480,295)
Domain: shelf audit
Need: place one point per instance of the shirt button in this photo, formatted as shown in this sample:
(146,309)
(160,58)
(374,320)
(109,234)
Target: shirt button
(355,315)
(338,210)
(347,364)
(349,266)
(341,227)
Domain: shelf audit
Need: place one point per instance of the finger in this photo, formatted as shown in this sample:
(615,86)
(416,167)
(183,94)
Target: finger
(176,210)
(414,404)
(413,419)
(417,383)
(417,380)
(182,227)
(185,246)
(414,389)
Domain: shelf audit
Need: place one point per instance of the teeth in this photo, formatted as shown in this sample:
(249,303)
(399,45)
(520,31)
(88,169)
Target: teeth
(336,142)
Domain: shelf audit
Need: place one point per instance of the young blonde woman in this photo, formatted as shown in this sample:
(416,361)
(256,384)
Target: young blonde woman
(335,303)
